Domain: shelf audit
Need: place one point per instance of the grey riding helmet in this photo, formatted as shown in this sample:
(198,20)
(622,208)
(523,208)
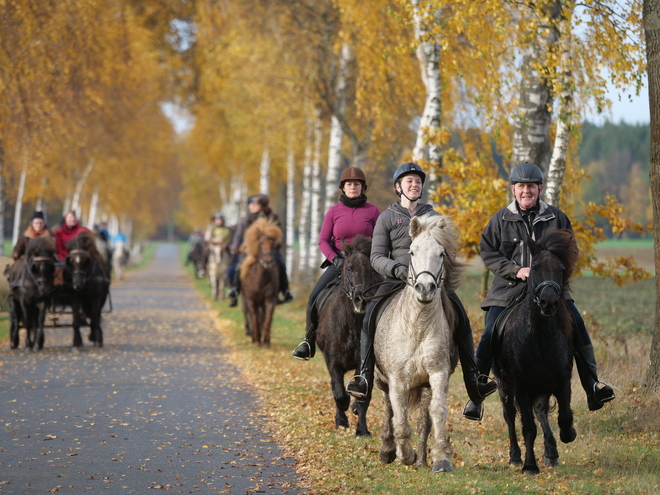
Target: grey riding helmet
(527,172)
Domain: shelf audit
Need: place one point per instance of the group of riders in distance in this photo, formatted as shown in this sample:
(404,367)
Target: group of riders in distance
(57,271)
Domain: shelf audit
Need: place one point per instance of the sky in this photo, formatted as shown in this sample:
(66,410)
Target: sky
(630,112)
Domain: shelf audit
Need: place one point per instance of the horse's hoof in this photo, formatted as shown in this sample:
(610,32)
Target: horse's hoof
(568,436)
(442,466)
(363,433)
(516,461)
(411,461)
(388,457)
(532,470)
(551,461)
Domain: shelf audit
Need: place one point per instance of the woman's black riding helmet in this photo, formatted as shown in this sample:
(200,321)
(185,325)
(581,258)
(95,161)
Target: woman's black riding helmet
(408,168)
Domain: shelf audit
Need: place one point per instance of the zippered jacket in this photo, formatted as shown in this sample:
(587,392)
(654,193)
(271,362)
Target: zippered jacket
(504,248)
(390,245)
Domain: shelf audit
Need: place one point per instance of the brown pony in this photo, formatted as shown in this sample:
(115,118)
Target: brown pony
(260,279)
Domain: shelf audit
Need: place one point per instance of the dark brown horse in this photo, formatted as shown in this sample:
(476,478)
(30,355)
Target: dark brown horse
(260,279)
(535,360)
(340,323)
(31,282)
(88,284)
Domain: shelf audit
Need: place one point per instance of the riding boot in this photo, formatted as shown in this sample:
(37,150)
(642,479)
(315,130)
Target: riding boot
(598,393)
(360,385)
(307,348)
(235,288)
(477,389)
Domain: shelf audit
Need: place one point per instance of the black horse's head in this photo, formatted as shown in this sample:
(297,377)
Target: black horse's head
(83,259)
(553,260)
(40,259)
(357,273)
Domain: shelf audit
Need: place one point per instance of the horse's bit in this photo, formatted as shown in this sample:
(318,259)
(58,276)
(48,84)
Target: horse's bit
(538,290)
(437,279)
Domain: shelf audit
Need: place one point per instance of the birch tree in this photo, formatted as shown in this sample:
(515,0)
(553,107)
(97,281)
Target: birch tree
(19,204)
(315,209)
(290,211)
(651,18)
(305,204)
(427,146)
(264,173)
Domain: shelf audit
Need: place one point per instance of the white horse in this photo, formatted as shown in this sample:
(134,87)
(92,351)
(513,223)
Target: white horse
(119,259)
(414,346)
(216,268)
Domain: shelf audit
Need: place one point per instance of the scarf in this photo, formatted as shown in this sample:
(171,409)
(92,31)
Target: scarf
(353,202)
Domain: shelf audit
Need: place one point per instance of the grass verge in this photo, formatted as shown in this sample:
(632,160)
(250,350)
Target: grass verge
(616,451)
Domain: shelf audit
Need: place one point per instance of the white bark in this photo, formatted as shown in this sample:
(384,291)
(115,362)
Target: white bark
(557,165)
(19,205)
(113,225)
(336,132)
(75,200)
(531,136)
(2,201)
(315,220)
(290,210)
(93,208)
(305,205)
(264,173)
(428,55)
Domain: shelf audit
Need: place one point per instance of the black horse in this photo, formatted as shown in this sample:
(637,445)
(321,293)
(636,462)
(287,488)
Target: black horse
(340,323)
(535,360)
(87,284)
(198,258)
(31,282)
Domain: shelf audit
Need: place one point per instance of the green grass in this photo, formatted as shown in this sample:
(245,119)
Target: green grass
(626,244)
(617,449)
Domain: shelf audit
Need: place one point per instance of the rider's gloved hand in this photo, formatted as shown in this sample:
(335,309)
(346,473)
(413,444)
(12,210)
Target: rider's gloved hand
(401,272)
(338,261)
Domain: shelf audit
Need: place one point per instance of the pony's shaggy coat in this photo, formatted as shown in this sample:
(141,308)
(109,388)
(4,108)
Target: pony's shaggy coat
(536,357)
(414,346)
(340,324)
(216,269)
(260,279)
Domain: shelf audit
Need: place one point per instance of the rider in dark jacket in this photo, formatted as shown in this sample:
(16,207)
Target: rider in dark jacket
(505,251)
(390,256)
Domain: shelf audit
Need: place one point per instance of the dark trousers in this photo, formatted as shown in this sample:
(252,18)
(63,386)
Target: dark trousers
(484,352)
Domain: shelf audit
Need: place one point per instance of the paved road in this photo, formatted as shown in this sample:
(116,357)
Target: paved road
(158,407)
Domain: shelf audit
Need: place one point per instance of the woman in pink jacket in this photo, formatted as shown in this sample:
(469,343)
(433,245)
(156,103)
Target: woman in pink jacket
(351,217)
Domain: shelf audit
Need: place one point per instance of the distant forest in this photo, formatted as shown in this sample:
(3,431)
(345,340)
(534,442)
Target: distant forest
(617,158)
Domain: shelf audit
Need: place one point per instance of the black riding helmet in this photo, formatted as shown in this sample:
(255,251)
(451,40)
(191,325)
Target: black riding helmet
(528,173)
(408,168)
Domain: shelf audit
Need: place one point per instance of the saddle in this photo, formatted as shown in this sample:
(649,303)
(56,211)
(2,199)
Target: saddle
(498,329)
(321,299)
(382,303)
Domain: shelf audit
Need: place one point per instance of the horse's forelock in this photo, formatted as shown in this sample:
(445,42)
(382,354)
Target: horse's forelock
(41,246)
(86,241)
(259,227)
(360,244)
(562,244)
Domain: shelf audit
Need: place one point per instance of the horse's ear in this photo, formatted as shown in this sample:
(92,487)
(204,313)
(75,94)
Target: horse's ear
(415,227)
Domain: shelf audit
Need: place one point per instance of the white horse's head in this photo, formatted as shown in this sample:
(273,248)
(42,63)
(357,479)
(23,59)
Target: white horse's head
(433,263)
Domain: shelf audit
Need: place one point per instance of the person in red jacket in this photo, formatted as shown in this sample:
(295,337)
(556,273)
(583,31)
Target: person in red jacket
(70,228)
(351,217)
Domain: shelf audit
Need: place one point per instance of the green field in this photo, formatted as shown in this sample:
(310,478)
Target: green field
(617,450)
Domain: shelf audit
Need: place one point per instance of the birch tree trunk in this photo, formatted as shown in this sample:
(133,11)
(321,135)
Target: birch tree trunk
(531,136)
(428,55)
(315,210)
(66,206)
(651,20)
(19,204)
(336,132)
(93,208)
(290,210)
(264,173)
(305,205)
(557,165)
(75,200)
(2,200)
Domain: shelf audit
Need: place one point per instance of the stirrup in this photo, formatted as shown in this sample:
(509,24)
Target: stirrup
(473,417)
(357,381)
(300,347)
(605,386)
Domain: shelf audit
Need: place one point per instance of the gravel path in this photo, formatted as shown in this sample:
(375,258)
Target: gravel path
(158,407)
